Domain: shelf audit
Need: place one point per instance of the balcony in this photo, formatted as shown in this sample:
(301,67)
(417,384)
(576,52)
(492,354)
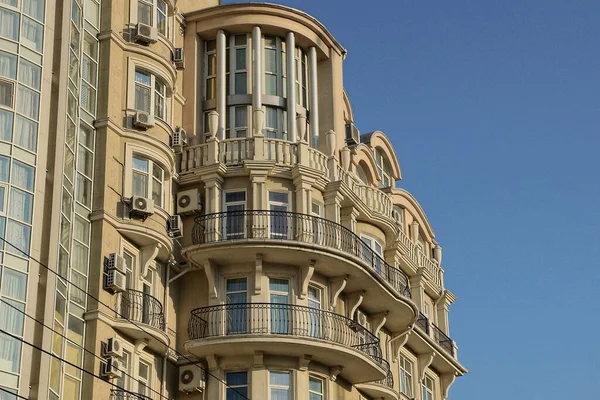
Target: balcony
(443,340)
(283,329)
(139,309)
(381,389)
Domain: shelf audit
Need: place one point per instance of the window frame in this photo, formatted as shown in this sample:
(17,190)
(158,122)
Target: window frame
(323,387)
(226,204)
(210,54)
(154,92)
(383,169)
(233,387)
(428,391)
(150,178)
(406,378)
(289,388)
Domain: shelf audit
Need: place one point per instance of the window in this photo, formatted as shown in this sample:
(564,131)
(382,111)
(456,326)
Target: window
(32,34)
(383,169)
(145,85)
(210,68)
(301,78)
(279,385)
(148,180)
(237,122)
(8,65)
(235,204)
(144,12)
(6,93)
(161,17)
(319,224)
(315,316)
(281,318)
(275,66)
(427,389)
(316,389)
(237,61)
(236,298)
(6,125)
(9,24)
(144,378)
(278,222)
(123,380)
(34,8)
(237,385)
(406,377)
(398,214)
(362,175)
(372,252)
(146,9)
(275,123)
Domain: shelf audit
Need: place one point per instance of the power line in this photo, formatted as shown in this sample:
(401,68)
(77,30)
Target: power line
(124,317)
(73,342)
(13,394)
(67,362)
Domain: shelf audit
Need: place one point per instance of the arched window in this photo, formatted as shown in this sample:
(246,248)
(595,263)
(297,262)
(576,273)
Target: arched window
(361,175)
(383,169)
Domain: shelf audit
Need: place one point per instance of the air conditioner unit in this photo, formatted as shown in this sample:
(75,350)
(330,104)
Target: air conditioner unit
(191,379)
(175,226)
(179,138)
(116,261)
(145,33)
(115,281)
(141,206)
(178,57)
(188,202)
(112,368)
(352,134)
(114,347)
(143,120)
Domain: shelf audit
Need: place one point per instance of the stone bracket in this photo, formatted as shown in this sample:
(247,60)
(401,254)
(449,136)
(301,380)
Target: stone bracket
(337,285)
(306,273)
(398,341)
(259,359)
(334,372)
(446,381)
(353,301)
(303,362)
(147,255)
(210,269)
(258,272)
(424,361)
(212,362)
(378,321)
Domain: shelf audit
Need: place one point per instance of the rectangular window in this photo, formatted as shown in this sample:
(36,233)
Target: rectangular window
(234,207)
(144,12)
(143,184)
(280,385)
(159,100)
(33,34)
(6,125)
(9,28)
(281,318)
(6,93)
(316,388)
(210,68)
(315,303)
(161,17)
(8,65)
(144,378)
(236,297)
(279,219)
(28,102)
(406,377)
(427,389)
(143,90)
(239,64)
(237,385)
(123,381)
(372,252)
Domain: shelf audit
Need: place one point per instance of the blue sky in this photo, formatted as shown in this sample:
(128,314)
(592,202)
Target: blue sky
(493,108)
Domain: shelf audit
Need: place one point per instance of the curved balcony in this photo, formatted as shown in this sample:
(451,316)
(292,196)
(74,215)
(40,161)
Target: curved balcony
(288,226)
(143,310)
(284,329)
(382,389)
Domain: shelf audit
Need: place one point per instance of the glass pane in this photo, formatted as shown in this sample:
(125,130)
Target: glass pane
(279,285)
(6,93)
(75,331)
(315,385)
(271,60)
(140,184)
(157,192)
(84,190)
(232,197)
(240,58)
(33,34)
(85,161)
(26,133)
(142,98)
(211,88)
(280,379)
(10,353)
(141,164)
(73,355)
(28,102)
(34,8)
(90,46)
(241,83)
(20,205)
(89,70)
(30,74)
(144,13)
(4,168)
(92,12)
(278,197)
(12,320)
(14,284)
(22,176)
(236,285)
(8,64)
(241,117)
(86,136)
(9,26)
(271,84)
(79,260)
(6,125)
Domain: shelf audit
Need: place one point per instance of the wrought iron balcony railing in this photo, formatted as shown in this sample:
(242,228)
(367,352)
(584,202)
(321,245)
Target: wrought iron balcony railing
(288,226)
(259,319)
(118,394)
(389,377)
(438,335)
(142,308)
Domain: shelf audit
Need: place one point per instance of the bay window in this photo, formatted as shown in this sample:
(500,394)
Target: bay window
(150,94)
(148,178)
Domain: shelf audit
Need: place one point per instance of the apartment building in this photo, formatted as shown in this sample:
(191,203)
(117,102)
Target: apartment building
(188,211)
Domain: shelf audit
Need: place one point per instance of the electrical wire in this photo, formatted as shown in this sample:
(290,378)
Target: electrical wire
(78,345)
(125,318)
(67,362)
(13,394)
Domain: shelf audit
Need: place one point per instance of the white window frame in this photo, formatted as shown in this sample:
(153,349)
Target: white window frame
(373,244)
(301,65)
(280,62)
(428,388)
(231,71)
(279,131)
(153,4)
(232,130)
(323,387)
(406,384)
(208,55)
(275,203)
(226,204)
(399,217)
(289,388)
(165,14)
(146,382)
(157,89)
(382,168)
(150,176)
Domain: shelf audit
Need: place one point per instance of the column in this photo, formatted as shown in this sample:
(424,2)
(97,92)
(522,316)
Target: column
(257,84)
(291,85)
(221,84)
(314,98)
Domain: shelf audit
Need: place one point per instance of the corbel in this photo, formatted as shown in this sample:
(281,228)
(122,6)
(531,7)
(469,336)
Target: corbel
(147,254)
(334,372)
(446,381)
(378,320)
(258,272)
(337,285)
(303,362)
(140,345)
(424,361)
(210,269)
(353,301)
(306,272)
(259,359)
(212,361)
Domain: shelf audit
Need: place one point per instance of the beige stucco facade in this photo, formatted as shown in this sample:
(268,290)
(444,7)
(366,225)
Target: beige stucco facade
(229,223)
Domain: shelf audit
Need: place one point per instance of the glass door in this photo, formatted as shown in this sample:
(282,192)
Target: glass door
(237,307)
(281,318)
(147,312)
(279,226)
(235,217)
(318,225)
(315,328)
